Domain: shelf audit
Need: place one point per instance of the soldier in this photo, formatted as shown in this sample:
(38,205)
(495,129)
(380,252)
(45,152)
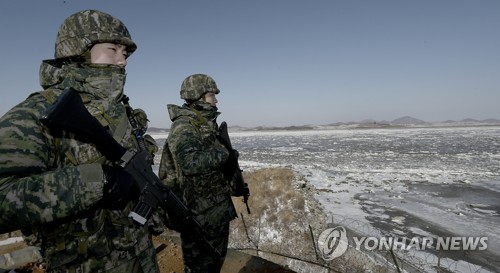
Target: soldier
(59,189)
(191,165)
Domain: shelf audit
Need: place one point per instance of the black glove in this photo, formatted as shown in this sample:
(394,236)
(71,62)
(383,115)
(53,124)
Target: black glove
(119,188)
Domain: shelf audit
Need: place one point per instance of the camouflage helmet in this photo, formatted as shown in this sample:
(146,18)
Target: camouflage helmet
(80,31)
(195,86)
(142,119)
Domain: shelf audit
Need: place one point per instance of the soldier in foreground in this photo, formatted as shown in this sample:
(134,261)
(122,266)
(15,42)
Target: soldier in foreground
(64,195)
(191,165)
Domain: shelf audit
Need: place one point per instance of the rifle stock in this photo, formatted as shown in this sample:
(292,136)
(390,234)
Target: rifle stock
(69,113)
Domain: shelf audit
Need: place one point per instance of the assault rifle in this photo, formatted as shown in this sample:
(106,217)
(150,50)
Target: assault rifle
(69,113)
(232,170)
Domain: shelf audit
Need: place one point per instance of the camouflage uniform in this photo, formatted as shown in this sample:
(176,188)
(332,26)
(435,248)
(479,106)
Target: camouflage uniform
(51,183)
(191,164)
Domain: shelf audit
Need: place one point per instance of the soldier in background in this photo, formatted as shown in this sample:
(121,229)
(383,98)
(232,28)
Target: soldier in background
(191,164)
(58,189)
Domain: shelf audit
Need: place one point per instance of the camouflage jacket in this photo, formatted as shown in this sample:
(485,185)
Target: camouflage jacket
(193,156)
(50,184)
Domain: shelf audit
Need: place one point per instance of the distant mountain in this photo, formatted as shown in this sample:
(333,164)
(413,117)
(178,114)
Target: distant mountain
(470,120)
(286,128)
(408,120)
(405,121)
(368,121)
(491,120)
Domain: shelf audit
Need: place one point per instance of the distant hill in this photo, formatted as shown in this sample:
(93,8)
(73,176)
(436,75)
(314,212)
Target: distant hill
(408,120)
(405,121)
(491,120)
(368,121)
(286,128)
(469,120)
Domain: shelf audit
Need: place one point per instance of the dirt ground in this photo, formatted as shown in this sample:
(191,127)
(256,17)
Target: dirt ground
(170,259)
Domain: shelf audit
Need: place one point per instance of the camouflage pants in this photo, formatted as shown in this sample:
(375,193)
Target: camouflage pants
(145,262)
(197,258)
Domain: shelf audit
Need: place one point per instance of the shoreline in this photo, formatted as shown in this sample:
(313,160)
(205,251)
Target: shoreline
(317,128)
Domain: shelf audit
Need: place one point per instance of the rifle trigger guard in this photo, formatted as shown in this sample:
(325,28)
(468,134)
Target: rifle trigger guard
(126,157)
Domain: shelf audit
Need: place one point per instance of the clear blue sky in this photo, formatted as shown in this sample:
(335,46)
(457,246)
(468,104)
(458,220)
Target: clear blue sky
(285,62)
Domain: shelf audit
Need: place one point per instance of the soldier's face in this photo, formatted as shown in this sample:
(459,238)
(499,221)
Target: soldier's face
(109,53)
(210,98)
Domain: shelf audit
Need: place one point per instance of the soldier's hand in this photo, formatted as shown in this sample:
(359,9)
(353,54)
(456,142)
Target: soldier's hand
(119,188)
